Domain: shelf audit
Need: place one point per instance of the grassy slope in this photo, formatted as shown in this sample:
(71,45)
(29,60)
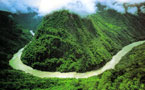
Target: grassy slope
(12,38)
(67,42)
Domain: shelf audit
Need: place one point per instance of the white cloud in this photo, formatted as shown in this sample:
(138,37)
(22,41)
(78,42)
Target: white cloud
(132,10)
(22,6)
(47,6)
(78,6)
(81,7)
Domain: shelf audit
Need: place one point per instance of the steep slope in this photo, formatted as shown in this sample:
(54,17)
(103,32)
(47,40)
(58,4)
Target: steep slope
(12,38)
(66,42)
(129,73)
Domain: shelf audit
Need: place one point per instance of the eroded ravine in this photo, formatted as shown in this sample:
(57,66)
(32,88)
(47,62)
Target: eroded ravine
(17,64)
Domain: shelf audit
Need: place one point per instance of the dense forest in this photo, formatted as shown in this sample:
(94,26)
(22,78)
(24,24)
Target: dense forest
(66,42)
(126,76)
(12,37)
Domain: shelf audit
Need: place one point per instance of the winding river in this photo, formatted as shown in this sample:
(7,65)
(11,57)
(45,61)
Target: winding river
(17,64)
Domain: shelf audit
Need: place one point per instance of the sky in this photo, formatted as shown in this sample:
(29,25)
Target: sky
(81,7)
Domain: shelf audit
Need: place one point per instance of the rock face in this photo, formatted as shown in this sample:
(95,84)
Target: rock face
(66,42)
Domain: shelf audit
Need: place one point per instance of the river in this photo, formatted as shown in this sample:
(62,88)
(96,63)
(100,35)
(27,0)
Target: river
(17,64)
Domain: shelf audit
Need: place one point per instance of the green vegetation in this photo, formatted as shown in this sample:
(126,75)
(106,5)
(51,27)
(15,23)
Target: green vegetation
(66,42)
(12,38)
(29,20)
(129,73)
(126,76)
(113,32)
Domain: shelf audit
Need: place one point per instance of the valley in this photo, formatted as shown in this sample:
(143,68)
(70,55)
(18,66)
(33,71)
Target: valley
(65,51)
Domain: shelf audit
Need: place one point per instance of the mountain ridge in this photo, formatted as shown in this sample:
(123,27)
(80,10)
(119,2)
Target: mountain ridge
(66,42)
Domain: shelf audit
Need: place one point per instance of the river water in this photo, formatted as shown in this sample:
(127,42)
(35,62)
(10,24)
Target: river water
(17,64)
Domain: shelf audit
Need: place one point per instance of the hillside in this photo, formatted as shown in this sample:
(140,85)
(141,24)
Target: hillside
(127,76)
(66,42)
(12,37)
(129,73)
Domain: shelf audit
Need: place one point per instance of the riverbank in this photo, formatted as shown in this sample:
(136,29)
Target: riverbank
(17,64)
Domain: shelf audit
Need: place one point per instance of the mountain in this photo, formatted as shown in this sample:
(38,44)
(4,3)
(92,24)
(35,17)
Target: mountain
(12,37)
(67,42)
(121,29)
(29,20)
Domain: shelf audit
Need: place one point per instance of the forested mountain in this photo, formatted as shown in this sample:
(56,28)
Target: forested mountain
(12,37)
(67,42)
(29,20)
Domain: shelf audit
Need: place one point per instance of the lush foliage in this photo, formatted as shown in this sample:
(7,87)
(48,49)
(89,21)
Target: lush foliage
(129,73)
(126,76)
(12,38)
(66,42)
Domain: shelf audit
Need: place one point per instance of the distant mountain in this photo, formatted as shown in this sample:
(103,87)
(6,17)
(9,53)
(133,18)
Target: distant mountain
(29,20)
(66,42)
